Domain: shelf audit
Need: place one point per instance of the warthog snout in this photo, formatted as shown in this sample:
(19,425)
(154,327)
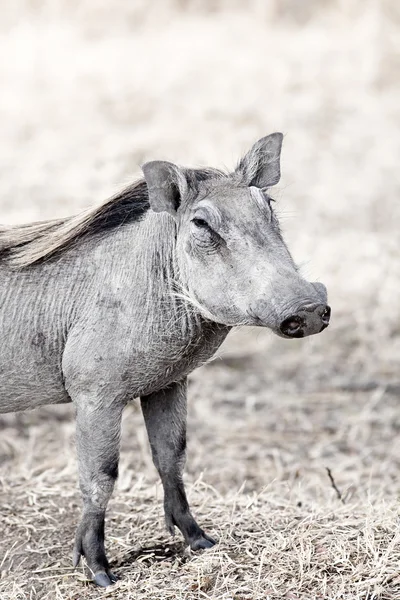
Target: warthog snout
(310,319)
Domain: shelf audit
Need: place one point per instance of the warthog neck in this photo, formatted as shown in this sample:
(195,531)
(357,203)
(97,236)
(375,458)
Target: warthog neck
(136,310)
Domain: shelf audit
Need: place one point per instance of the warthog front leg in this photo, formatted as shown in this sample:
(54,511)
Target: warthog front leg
(165,417)
(98,427)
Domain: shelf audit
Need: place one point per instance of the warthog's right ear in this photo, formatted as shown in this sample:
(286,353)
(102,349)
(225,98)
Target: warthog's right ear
(165,183)
(260,167)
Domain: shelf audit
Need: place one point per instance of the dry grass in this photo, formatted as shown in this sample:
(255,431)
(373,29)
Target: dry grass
(89,93)
(264,492)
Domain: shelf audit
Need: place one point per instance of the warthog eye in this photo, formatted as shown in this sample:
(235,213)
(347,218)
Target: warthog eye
(205,235)
(201,223)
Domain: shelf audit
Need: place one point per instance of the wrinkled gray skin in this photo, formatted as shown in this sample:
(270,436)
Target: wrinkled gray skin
(132,312)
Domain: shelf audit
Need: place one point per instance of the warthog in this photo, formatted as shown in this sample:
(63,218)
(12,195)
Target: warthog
(126,299)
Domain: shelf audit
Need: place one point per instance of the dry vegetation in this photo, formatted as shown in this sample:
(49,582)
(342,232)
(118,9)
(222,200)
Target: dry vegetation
(89,90)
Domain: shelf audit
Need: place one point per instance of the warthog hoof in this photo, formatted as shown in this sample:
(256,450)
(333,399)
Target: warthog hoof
(104,579)
(203,542)
(89,542)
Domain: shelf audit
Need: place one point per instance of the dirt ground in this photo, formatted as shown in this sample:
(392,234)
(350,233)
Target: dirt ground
(294,447)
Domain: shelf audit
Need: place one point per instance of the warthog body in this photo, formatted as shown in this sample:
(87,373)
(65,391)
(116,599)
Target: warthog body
(126,299)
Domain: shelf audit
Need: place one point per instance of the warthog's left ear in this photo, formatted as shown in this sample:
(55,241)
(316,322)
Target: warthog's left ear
(165,183)
(260,167)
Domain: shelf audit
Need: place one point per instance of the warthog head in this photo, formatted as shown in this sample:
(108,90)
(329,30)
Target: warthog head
(234,264)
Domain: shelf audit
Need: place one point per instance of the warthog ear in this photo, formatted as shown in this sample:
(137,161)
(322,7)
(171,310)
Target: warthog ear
(260,167)
(165,183)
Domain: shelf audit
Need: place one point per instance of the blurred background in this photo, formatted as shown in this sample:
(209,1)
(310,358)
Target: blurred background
(90,89)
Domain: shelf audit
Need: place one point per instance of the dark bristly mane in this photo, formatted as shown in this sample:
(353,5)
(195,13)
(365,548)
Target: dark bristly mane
(24,245)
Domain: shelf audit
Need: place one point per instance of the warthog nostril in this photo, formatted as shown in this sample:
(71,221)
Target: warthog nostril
(326,315)
(293,326)
(311,318)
